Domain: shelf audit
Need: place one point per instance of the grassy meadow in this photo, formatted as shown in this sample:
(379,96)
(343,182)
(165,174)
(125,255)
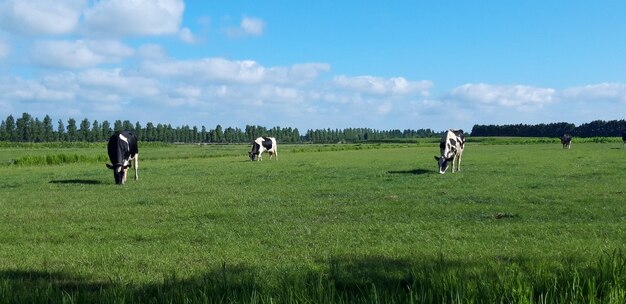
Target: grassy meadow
(522,223)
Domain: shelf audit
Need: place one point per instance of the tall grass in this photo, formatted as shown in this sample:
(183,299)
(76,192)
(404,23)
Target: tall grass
(57,159)
(355,280)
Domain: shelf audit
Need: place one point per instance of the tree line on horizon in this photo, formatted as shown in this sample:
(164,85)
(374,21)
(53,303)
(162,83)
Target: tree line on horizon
(32,129)
(596,128)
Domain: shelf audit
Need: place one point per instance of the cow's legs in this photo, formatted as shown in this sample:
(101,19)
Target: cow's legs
(458,166)
(125,175)
(136,166)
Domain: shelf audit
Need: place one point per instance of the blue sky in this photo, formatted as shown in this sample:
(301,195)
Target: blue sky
(314,64)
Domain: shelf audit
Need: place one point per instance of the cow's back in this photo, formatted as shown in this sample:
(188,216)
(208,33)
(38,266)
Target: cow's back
(268,144)
(120,148)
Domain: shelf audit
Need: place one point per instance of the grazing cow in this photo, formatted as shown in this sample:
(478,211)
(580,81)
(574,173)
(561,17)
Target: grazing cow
(566,141)
(122,149)
(624,138)
(451,149)
(261,145)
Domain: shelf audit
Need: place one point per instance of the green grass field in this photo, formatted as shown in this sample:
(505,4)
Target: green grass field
(325,223)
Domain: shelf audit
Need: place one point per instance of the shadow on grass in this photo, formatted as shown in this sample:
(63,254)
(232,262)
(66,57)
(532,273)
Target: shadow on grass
(414,171)
(343,279)
(77,181)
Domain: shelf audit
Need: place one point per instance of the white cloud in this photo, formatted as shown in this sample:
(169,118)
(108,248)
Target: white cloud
(249,26)
(134,17)
(517,96)
(383,86)
(152,52)
(297,74)
(597,92)
(18,89)
(187,36)
(208,69)
(79,54)
(252,26)
(37,17)
(117,82)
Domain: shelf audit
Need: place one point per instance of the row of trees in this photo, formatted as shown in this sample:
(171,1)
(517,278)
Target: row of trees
(591,129)
(31,129)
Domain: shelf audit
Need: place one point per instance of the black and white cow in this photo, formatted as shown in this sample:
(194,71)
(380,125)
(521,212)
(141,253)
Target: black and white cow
(451,149)
(624,138)
(122,149)
(566,141)
(261,145)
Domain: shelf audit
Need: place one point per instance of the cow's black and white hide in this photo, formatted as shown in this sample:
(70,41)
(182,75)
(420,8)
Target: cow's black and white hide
(261,145)
(451,149)
(566,141)
(122,149)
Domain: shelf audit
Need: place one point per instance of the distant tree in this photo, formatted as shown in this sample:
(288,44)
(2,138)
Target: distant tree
(128,126)
(47,132)
(9,127)
(118,126)
(23,128)
(150,132)
(61,135)
(36,130)
(204,135)
(106,130)
(72,130)
(96,132)
(139,131)
(3,131)
(83,132)
(219,134)
(160,133)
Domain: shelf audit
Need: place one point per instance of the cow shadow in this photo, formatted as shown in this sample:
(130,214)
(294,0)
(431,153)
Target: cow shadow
(411,172)
(76,182)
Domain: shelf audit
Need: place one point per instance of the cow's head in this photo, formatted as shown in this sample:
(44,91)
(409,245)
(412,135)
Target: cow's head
(119,172)
(443,163)
(253,155)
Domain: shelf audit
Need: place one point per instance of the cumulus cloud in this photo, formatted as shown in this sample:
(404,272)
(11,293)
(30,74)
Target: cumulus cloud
(517,96)
(29,90)
(297,74)
(40,17)
(252,26)
(207,69)
(79,54)
(117,82)
(221,70)
(134,17)
(597,92)
(151,52)
(383,86)
(249,26)
(187,36)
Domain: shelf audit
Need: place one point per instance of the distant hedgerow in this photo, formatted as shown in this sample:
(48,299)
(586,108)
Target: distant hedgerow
(57,159)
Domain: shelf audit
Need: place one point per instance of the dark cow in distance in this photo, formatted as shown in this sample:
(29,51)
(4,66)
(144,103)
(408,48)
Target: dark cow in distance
(261,145)
(122,149)
(566,141)
(451,149)
(624,138)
